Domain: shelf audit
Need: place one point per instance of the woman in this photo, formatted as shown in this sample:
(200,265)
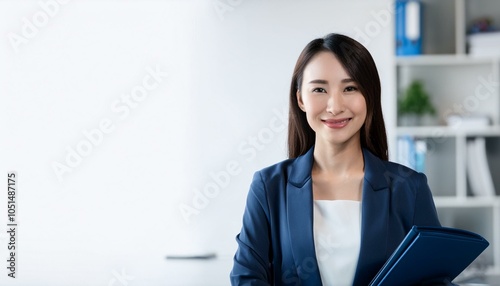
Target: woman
(335,211)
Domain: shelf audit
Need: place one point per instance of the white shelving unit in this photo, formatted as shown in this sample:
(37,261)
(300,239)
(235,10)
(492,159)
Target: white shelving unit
(461,84)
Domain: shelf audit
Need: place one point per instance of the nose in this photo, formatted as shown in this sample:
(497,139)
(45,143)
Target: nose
(335,103)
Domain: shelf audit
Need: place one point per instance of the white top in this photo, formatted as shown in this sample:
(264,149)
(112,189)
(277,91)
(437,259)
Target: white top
(337,239)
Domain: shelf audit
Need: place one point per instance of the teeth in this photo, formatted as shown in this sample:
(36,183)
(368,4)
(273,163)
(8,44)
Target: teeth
(342,121)
(337,121)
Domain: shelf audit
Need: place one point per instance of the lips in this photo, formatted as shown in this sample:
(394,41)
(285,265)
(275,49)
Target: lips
(336,123)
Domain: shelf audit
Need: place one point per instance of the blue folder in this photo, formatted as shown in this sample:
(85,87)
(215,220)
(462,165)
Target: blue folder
(408,14)
(430,254)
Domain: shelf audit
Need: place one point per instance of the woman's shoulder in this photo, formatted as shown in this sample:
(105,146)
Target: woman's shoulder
(400,173)
(397,167)
(390,170)
(277,169)
(269,182)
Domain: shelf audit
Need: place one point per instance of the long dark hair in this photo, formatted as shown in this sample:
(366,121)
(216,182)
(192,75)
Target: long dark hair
(359,64)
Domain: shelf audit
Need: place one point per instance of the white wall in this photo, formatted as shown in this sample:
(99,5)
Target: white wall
(221,79)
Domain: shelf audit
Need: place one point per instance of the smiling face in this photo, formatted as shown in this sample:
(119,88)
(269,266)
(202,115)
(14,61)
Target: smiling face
(334,106)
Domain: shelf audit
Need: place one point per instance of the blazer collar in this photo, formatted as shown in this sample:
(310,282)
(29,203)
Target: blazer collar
(374,222)
(299,171)
(375,171)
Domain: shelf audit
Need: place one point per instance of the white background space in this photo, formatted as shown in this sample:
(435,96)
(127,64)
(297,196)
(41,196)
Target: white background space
(115,213)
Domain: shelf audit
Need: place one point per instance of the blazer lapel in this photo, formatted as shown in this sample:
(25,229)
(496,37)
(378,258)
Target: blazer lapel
(300,218)
(374,221)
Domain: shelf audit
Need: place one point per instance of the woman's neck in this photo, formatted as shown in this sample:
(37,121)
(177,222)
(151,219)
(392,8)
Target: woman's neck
(338,159)
(338,172)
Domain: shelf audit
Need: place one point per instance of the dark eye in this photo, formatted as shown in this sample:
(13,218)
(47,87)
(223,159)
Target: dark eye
(351,88)
(319,89)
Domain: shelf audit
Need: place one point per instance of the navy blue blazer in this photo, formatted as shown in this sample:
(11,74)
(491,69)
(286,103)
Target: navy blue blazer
(276,242)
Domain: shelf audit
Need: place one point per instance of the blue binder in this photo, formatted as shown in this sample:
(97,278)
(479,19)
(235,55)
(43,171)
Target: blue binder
(430,254)
(408,27)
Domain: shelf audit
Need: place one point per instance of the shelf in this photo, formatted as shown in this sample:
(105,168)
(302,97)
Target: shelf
(446,131)
(466,202)
(439,60)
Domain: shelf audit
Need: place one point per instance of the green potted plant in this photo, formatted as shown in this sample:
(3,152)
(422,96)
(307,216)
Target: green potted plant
(414,105)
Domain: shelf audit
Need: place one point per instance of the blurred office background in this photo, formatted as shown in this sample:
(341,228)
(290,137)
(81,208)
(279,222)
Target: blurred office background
(135,128)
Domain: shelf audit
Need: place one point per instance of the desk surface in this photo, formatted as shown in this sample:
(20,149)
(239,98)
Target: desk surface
(198,272)
(493,280)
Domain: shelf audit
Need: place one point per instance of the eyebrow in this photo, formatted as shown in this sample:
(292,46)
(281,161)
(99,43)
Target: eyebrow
(322,81)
